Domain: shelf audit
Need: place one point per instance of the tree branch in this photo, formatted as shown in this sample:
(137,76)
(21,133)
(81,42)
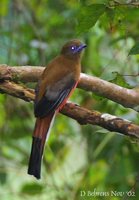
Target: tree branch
(127,97)
(117,3)
(17,90)
(107,121)
(82,115)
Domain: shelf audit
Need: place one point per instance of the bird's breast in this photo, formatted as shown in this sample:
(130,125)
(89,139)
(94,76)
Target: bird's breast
(59,73)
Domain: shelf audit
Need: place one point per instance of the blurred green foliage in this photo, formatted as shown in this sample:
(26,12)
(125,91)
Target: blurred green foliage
(77,158)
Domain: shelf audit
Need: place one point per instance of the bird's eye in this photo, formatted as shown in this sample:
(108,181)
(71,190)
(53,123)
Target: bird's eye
(73,47)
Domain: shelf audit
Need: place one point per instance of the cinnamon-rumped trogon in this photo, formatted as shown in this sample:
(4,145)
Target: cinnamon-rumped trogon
(54,87)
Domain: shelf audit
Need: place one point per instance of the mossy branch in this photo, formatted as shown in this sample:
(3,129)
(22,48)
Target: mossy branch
(82,115)
(128,98)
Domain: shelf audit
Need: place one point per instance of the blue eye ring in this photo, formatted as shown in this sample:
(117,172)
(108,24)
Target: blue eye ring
(73,48)
(76,48)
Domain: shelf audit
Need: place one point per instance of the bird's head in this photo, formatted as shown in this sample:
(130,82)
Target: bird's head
(73,48)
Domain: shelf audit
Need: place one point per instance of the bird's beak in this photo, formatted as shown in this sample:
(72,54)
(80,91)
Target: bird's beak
(80,48)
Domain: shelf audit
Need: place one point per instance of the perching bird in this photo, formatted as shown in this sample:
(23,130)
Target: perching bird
(56,84)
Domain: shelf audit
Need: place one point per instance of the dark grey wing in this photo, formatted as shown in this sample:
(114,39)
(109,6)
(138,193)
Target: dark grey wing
(53,97)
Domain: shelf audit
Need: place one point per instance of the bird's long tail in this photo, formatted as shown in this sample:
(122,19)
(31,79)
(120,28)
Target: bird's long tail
(40,135)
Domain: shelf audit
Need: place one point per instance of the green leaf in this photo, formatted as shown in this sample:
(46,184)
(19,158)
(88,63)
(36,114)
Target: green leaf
(97,97)
(119,80)
(3,176)
(110,12)
(32,189)
(134,50)
(4,7)
(88,16)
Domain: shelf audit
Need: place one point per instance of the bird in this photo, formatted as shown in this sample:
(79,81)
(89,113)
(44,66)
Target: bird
(56,84)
